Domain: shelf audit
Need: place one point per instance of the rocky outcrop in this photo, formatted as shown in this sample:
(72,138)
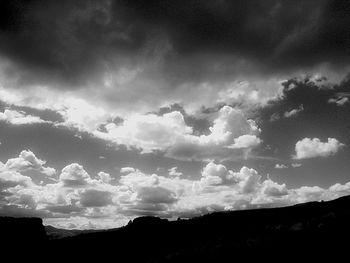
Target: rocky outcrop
(21,233)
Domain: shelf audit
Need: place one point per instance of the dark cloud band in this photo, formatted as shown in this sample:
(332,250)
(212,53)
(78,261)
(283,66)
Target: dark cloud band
(70,41)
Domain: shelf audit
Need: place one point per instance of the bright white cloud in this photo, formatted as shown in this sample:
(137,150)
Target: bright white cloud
(128,91)
(127,170)
(28,161)
(280,166)
(251,92)
(148,132)
(310,193)
(249,180)
(245,141)
(216,174)
(311,148)
(12,179)
(104,177)
(271,188)
(231,134)
(74,175)
(77,196)
(20,118)
(79,114)
(76,111)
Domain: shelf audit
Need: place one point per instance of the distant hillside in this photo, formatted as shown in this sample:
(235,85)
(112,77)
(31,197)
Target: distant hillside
(316,229)
(58,233)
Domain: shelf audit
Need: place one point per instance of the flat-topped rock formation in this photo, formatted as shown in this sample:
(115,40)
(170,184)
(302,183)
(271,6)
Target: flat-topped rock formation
(21,232)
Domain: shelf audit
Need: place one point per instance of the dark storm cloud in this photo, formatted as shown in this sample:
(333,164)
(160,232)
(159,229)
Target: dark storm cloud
(284,32)
(69,41)
(58,40)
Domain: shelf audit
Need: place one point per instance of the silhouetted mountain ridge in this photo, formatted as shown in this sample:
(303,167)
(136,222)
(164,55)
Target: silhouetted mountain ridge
(22,231)
(315,229)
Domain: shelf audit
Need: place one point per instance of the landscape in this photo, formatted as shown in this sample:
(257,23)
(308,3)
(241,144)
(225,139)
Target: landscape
(316,230)
(174,131)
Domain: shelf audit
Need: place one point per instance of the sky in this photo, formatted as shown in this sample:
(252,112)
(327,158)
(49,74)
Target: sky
(110,110)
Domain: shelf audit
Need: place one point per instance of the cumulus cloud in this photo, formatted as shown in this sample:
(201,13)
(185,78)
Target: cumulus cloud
(104,177)
(271,188)
(107,69)
(77,196)
(311,148)
(216,174)
(74,175)
(78,113)
(168,133)
(217,178)
(20,118)
(231,134)
(12,179)
(310,193)
(148,132)
(249,180)
(139,69)
(28,161)
(147,194)
(74,193)
(75,111)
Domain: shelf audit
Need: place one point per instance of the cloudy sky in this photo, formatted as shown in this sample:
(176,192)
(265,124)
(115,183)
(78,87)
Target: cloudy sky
(115,109)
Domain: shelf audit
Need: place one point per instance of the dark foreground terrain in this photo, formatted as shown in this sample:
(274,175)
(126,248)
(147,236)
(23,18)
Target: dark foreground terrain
(306,231)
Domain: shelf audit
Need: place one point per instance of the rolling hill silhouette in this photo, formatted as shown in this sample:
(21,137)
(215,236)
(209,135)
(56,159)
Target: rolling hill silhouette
(314,230)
